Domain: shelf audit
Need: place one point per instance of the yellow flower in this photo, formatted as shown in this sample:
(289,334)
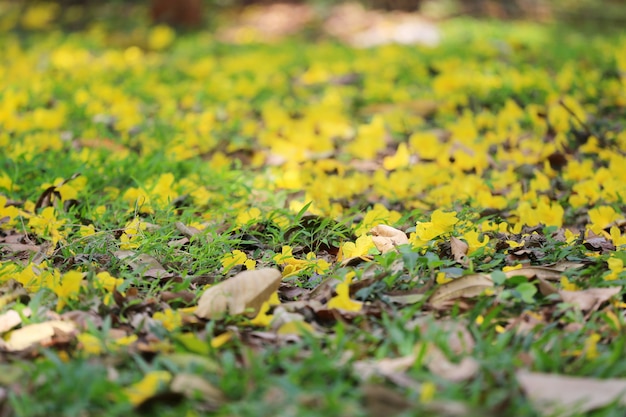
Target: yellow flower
(108,283)
(46,224)
(591,346)
(163,192)
(151,384)
(602,217)
(549,214)
(426,145)
(295,327)
(39,16)
(7,183)
(294,266)
(377,215)
(252,215)
(512,268)
(123,341)
(139,200)
(68,288)
(567,285)
(400,159)
(342,300)
(221,339)
(90,344)
(442,279)
(617,238)
(236,257)
(471,237)
(7,213)
(161,37)
(440,223)
(427,392)
(616,267)
(263,319)
(369,140)
(170,319)
(132,235)
(85,231)
(360,248)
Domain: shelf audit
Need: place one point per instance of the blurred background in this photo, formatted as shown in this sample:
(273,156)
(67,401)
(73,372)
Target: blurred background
(189,14)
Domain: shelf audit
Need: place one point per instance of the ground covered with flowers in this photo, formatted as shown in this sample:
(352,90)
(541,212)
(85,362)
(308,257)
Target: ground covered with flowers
(189,226)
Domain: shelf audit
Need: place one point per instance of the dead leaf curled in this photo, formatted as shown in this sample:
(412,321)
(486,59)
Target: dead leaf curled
(244,292)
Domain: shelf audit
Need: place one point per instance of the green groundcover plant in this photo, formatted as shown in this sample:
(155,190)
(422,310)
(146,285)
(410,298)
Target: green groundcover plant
(395,230)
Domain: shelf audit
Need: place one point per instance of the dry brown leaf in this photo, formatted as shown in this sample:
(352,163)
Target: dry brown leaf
(561,395)
(32,334)
(466,286)
(541,272)
(545,287)
(437,362)
(565,265)
(188,231)
(386,238)
(247,290)
(405,298)
(100,143)
(383,401)
(459,339)
(281,316)
(19,247)
(526,322)
(459,250)
(195,387)
(143,263)
(12,318)
(383,367)
(589,299)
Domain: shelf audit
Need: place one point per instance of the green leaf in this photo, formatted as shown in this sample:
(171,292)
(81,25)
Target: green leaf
(527,292)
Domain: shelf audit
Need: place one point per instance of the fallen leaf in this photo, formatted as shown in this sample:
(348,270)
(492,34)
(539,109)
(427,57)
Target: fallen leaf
(405,298)
(598,243)
(589,299)
(383,401)
(561,395)
(437,363)
(100,143)
(195,387)
(386,238)
(37,333)
(143,263)
(12,318)
(19,247)
(466,286)
(383,367)
(565,265)
(549,274)
(178,242)
(284,322)
(459,250)
(188,231)
(244,292)
(545,288)
(526,322)
(186,360)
